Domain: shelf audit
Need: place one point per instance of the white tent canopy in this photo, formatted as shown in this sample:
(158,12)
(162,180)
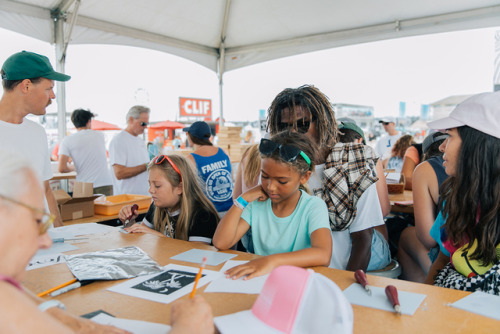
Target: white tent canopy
(224,35)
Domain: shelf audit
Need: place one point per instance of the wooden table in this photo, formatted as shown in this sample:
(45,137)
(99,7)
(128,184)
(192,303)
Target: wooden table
(407,195)
(433,315)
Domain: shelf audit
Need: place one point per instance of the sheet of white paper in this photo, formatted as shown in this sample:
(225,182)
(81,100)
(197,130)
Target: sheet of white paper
(133,326)
(57,248)
(197,255)
(409,301)
(57,233)
(393,177)
(83,229)
(480,303)
(45,261)
(173,282)
(223,284)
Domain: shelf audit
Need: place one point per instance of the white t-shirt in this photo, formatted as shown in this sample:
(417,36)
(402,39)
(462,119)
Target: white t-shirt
(129,151)
(28,140)
(368,215)
(384,145)
(87,148)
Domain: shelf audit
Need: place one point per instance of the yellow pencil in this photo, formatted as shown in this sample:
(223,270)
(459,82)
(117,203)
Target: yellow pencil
(41,294)
(198,276)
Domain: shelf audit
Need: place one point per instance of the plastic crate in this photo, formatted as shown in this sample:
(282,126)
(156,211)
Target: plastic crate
(111,205)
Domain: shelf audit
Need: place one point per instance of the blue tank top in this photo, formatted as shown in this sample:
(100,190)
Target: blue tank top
(216,173)
(437,164)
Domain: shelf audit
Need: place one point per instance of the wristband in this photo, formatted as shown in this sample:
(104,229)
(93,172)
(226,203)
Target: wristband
(49,304)
(240,203)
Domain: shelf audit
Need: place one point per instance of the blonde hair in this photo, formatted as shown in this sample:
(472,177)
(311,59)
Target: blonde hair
(251,169)
(192,197)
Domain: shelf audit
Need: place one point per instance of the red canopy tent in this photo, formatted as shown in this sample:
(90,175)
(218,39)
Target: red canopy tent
(158,130)
(100,125)
(168,125)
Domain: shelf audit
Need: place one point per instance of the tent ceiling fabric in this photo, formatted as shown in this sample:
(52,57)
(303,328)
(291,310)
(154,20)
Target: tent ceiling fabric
(256,30)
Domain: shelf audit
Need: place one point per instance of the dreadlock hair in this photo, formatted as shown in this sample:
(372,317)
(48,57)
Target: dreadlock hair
(297,140)
(401,145)
(471,197)
(311,99)
(192,198)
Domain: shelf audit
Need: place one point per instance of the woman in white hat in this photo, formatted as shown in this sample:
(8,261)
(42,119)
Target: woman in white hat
(467,228)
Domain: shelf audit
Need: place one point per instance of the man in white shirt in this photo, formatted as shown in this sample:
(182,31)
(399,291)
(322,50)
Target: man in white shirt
(28,83)
(87,149)
(129,156)
(385,143)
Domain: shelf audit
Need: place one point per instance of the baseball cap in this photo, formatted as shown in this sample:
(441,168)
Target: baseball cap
(199,129)
(29,65)
(388,119)
(353,127)
(433,138)
(293,300)
(480,112)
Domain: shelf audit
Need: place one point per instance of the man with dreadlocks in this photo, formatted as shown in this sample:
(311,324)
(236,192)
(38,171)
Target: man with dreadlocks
(344,178)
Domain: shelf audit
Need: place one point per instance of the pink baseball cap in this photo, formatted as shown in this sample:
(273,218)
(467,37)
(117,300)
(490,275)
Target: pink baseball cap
(293,300)
(480,112)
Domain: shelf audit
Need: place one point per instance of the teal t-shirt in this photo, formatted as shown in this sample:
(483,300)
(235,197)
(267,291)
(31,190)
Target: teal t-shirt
(272,235)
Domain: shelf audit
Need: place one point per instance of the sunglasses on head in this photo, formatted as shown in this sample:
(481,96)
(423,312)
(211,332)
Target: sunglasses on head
(287,152)
(159,160)
(43,223)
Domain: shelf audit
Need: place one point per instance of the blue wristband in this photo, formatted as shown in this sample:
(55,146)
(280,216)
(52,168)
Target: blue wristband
(241,203)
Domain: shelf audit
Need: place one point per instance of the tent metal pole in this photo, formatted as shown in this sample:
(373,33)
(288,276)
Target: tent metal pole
(61,87)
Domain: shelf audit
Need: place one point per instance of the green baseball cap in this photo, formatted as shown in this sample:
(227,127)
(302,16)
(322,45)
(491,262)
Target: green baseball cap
(29,65)
(353,127)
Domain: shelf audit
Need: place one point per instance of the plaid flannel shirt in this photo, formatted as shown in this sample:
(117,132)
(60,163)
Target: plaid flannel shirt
(349,171)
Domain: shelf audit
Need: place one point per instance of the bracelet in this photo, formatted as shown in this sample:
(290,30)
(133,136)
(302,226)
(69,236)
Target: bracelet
(240,203)
(51,303)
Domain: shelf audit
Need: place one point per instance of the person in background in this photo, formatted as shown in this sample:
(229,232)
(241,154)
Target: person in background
(129,156)
(213,166)
(289,226)
(24,223)
(177,143)
(416,249)
(87,149)
(347,186)
(28,82)
(413,156)
(398,151)
(467,226)
(249,139)
(384,144)
(180,209)
(153,150)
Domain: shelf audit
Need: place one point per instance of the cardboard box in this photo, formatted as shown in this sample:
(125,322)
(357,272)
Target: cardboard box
(397,188)
(111,205)
(80,205)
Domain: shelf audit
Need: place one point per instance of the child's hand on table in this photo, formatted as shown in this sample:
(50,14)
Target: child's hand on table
(251,269)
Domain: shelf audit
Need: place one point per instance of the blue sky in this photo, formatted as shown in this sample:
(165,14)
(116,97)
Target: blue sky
(417,70)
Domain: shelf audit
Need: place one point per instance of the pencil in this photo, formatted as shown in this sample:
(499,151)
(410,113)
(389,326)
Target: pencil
(198,276)
(41,294)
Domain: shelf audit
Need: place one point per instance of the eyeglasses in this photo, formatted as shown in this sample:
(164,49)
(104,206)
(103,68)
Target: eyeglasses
(302,125)
(159,160)
(144,124)
(287,152)
(43,223)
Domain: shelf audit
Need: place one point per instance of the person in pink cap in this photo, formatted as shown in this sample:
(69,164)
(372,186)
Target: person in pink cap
(467,228)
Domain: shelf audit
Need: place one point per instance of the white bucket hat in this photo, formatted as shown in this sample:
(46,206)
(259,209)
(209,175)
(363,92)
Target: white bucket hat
(293,300)
(480,112)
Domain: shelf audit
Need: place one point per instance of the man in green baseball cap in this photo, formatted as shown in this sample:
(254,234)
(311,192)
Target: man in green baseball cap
(28,88)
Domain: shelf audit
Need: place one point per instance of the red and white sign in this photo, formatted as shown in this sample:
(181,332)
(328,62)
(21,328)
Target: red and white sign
(190,107)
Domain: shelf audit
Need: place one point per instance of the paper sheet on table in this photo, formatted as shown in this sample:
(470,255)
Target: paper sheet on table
(174,281)
(197,255)
(393,177)
(133,326)
(45,261)
(57,248)
(409,301)
(83,229)
(56,233)
(223,284)
(480,303)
